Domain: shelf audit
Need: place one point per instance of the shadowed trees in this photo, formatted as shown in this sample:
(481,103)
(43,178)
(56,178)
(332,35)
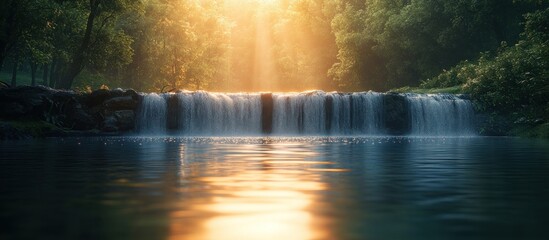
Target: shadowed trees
(159,45)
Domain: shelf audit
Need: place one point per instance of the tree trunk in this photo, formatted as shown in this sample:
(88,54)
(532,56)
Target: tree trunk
(77,63)
(174,76)
(45,74)
(33,73)
(14,71)
(52,73)
(8,32)
(132,78)
(58,74)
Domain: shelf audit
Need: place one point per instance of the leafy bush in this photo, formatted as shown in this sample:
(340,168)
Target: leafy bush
(514,82)
(456,76)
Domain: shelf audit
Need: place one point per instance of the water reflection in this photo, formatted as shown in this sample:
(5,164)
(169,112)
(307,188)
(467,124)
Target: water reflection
(254,192)
(266,188)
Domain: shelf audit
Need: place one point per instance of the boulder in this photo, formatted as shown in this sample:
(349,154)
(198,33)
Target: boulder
(11,110)
(9,132)
(80,119)
(106,110)
(25,102)
(109,124)
(121,103)
(98,97)
(125,119)
(132,93)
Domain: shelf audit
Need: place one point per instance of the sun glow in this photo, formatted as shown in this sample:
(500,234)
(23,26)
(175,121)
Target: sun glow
(273,48)
(266,1)
(266,200)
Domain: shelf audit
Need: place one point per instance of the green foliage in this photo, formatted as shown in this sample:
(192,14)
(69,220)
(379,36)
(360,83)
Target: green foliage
(92,80)
(223,45)
(514,82)
(384,44)
(174,49)
(456,76)
(54,34)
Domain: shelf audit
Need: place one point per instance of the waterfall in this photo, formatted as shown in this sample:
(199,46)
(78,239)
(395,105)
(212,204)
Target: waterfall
(308,113)
(204,113)
(327,113)
(440,114)
(357,113)
(152,114)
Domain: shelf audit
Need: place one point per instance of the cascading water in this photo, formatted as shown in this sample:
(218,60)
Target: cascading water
(327,113)
(309,113)
(440,114)
(152,114)
(203,113)
(357,113)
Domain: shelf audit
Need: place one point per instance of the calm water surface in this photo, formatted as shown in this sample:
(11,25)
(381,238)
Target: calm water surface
(274,188)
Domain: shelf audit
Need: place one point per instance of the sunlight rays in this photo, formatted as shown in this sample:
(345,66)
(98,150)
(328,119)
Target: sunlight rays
(265,76)
(255,44)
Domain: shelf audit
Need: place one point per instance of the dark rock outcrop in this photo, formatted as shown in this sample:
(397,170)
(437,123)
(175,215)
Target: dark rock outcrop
(329,106)
(267,113)
(8,131)
(121,103)
(125,119)
(100,110)
(396,117)
(493,125)
(173,112)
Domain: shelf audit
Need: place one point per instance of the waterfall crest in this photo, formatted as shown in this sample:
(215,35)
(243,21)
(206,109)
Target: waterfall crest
(307,113)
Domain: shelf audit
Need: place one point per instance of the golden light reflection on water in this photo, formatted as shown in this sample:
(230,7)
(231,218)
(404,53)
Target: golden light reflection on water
(254,192)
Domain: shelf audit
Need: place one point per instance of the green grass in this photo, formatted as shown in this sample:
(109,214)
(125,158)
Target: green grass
(452,90)
(84,79)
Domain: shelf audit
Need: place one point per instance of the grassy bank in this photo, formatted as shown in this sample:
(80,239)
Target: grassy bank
(23,78)
(452,90)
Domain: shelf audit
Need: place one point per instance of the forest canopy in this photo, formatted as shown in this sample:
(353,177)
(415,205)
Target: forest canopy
(250,45)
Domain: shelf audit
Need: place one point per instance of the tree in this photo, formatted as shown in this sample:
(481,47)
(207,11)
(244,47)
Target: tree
(384,44)
(101,15)
(176,50)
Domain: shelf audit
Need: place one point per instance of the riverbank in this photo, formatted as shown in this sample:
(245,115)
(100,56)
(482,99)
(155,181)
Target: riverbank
(38,112)
(31,112)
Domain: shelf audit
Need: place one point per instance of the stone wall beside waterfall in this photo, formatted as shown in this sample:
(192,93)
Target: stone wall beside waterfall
(27,112)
